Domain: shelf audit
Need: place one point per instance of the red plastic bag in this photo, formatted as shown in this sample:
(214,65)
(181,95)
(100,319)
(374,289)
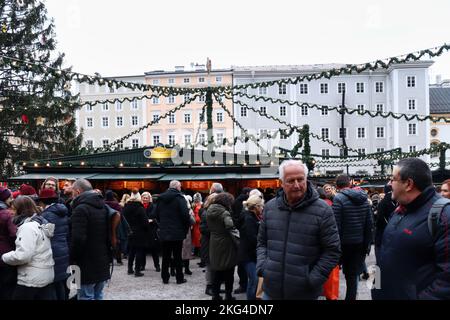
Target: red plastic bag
(331,286)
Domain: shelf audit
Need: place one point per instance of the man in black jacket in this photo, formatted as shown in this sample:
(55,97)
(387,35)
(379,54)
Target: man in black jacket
(414,263)
(298,241)
(90,241)
(172,214)
(354,220)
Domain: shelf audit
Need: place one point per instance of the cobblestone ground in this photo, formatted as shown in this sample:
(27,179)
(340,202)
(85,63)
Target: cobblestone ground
(150,287)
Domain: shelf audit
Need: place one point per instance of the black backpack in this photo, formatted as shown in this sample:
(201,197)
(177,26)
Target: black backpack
(434,216)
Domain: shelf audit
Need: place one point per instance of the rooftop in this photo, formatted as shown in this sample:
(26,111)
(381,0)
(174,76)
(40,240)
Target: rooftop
(439,100)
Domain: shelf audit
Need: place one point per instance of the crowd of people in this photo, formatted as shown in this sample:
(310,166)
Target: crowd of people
(283,245)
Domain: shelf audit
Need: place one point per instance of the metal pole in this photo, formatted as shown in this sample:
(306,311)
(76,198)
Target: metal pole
(343,127)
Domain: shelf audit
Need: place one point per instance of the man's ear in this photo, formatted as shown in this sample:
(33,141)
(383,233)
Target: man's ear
(410,184)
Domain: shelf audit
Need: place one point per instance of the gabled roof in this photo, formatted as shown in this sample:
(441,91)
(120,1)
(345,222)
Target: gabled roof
(439,100)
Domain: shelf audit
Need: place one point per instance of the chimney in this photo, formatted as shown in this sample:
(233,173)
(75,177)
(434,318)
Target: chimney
(179,68)
(438,79)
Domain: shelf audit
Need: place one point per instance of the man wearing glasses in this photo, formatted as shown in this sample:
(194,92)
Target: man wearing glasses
(414,264)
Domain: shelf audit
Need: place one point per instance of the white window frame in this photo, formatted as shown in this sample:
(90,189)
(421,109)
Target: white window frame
(410,147)
(155,82)
(357,87)
(105,107)
(103,142)
(134,105)
(304,112)
(86,143)
(243,112)
(89,108)
(303,88)
(92,122)
(262,91)
(324,112)
(382,107)
(186,80)
(154,137)
(363,108)
(380,149)
(263,110)
(339,87)
(324,88)
(174,139)
(190,139)
(282,89)
(414,81)
(376,132)
(325,155)
(117,121)
(363,130)
(120,145)
(219,141)
(138,143)
(187,96)
(382,86)
(416,129)
(221,117)
(187,113)
(219,79)
(155,100)
(364,151)
(408,107)
(282,110)
(202,138)
(103,118)
(171,81)
(156,114)
(202,98)
(172,118)
(119,106)
(345,132)
(322,131)
(200,117)
(201,79)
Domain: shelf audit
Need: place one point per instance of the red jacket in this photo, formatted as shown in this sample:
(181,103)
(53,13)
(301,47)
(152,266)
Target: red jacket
(196,227)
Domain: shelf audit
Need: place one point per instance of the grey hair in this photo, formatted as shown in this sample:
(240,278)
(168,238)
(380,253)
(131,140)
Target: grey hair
(288,163)
(175,184)
(255,192)
(217,187)
(82,184)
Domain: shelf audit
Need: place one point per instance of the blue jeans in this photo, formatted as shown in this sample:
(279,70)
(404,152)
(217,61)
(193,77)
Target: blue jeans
(91,291)
(266,297)
(252,284)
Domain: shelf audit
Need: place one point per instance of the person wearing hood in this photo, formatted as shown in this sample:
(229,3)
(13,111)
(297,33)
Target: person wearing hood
(174,219)
(355,224)
(33,254)
(90,243)
(57,214)
(8,230)
(298,240)
(136,217)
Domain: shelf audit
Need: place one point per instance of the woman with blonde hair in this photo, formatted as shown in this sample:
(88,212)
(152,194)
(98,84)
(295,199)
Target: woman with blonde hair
(253,209)
(124,200)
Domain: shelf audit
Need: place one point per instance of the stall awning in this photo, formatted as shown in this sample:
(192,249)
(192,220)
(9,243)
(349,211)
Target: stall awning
(59,176)
(259,176)
(126,176)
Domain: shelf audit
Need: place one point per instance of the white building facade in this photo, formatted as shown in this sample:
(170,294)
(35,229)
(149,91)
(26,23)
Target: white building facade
(403,88)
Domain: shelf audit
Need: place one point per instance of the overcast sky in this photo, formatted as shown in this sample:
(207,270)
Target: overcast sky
(116,37)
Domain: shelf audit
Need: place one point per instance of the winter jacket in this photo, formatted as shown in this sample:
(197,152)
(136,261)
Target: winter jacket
(237,208)
(152,234)
(413,265)
(8,230)
(353,217)
(33,255)
(297,246)
(222,251)
(205,234)
(172,215)
(196,227)
(186,252)
(123,227)
(248,237)
(90,241)
(57,214)
(386,208)
(136,217)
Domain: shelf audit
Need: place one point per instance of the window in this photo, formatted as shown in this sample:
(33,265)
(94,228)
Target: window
(219,140)
(171,81)
(186,80)
(119,145)
(155,82)
(380,107)
(201,80)
(119,122)
(411,104)
(155,100)
(262,91)
(89,108)
(135,120)
(170,99)
(202,98)
(303,88)
(412,148)
(156,140)
(89,122)
(342,133)
(324,111)
(105,107)
(379,87)
(282,111)
(218,79)
(284,134)
(243,112)
(187,139)
(341,152)
(135,143)
(105,122)
(360,108)
(111,90)
(105,143)
(263,133)
(341,87)
(324,88)
(202,138)
(325,133)
(360,87)
(304,111)
(156,118)
(412,129)
(410,81)
(219,116)
(172,118)
(361,133)
(435,153)
(282,88)
(380,149)
(134,105)
(380,132)
(325,154)
(263,110)
(361,151)
(434,132)
(187,118)
(187,96)
(201,117)
(89,144)
(171,140)
(118,106)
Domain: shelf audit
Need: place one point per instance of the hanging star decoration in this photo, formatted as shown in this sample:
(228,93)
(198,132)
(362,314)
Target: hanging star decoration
(4,28)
